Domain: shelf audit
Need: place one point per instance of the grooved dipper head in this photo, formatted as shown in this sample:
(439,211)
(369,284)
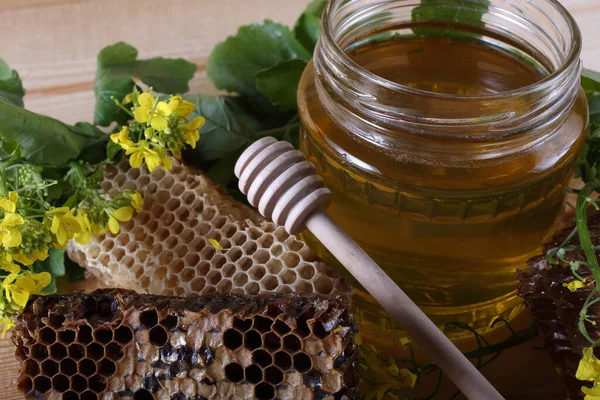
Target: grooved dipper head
(281,183)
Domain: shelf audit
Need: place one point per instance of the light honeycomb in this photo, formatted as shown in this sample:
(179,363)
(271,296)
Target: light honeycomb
(166,250)
(117,344)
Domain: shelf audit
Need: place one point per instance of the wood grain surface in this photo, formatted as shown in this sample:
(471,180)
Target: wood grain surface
(53,44)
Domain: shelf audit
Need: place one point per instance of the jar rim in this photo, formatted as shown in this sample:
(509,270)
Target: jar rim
(541,85)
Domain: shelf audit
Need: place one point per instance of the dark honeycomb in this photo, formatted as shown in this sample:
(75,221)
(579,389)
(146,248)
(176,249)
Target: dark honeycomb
(116,344)
(556,309)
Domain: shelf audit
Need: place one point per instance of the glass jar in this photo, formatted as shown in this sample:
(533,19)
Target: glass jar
(447,135)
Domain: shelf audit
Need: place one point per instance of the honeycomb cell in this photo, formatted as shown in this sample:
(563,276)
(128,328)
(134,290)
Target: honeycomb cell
(307,271)
(262,358)
(149,318)
(234,372)
(114,351)
(273,375)
(252,340)
(84,335)
(283,360)
(158,336)
(242,325)
(292,343)
(60,383)
(70,395)
(79,383)
(87,367)
(47,335)
(253,374)
(56,320)
(324,285)
(31,367)
(302,328)
(288,277)
(68,367)
(269,283)
(103,336)
(262,324)
(276,251)
(107,307)
(94,351)
(232,339)
(67,336)
(49,368)
(170,322)
(302,362)
(143,394)
(42,384)
(123,334)
(264,391)
(97,383)
(58,351)
(25,384)
(319,330)
(88,395)
(39,352)
(272,341)
(76,351)
(106,368)
(281,327)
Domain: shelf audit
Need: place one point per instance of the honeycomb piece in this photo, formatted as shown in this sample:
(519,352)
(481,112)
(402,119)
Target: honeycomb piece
(165,249)
(556,309)
(117,344)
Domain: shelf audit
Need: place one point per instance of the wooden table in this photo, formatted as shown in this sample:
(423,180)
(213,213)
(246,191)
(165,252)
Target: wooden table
(53,44)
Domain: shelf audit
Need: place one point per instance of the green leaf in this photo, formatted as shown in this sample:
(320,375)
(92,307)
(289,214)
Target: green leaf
(280,83)
(11,87)
(229,126)
(118,65)
(456,11)
(234,64)
(44,140)
(73,270)
(590,82)
(308,27)
(54,265)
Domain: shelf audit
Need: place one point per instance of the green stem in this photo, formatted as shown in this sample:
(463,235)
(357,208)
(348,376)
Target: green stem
(584,234)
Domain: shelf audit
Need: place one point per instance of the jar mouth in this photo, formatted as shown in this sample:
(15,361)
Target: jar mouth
(557,74)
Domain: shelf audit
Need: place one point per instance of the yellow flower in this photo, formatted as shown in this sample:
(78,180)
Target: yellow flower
(191,133)
(589,366)
(215,243)
(122,214)
(122,139)
(31,257)
(10,233)
(64,225)
(574,285)
(85,235)
(6,264)
(7,324)
(153,158)
(136,201)
(180,107)
(18,288)
(383,376)
(592,393)
(9,204)
(156,115)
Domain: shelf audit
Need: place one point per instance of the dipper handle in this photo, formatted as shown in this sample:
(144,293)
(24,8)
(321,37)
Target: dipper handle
(284,186)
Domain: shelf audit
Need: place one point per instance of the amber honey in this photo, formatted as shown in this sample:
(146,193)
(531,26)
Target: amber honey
(446,217)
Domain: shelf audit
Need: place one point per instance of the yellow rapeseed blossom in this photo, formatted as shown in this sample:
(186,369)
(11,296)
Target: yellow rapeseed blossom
(136,201)
(122,214)
(63,225)
(592,393)
(9,203)
(85,234)
(122,139)
(10,233)
(154,159)
(180,107)
(574,285)
(7,324)
(191,132)
(215,243)
(6,264)
(153,114)
(31,257)
(17,288)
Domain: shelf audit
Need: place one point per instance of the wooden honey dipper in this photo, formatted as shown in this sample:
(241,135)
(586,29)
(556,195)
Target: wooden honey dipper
(284,186)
